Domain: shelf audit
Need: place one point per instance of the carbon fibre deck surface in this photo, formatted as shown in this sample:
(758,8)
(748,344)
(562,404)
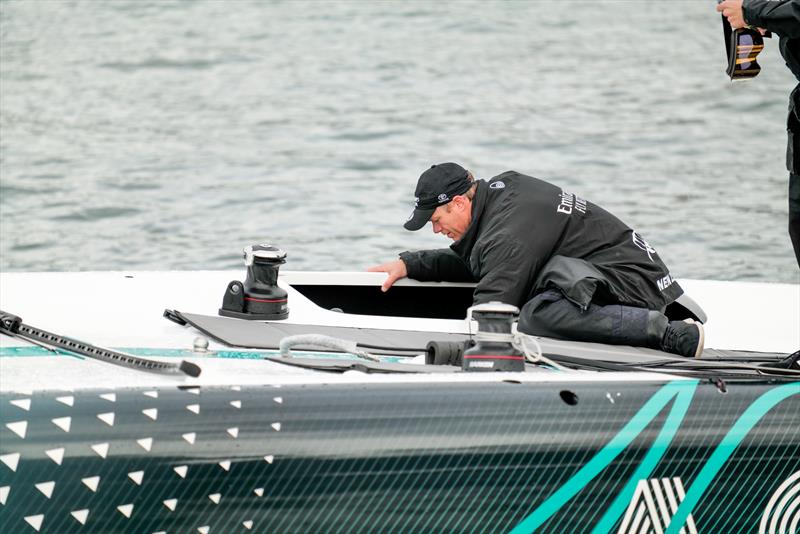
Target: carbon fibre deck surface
(267,335)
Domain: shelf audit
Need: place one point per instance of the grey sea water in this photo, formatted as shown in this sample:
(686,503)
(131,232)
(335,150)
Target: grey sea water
(169,134)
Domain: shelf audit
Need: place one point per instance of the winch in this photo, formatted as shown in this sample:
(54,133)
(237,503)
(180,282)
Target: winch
(259,298)
(495,348)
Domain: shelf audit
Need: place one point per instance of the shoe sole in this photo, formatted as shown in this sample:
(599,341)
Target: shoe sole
(701,341)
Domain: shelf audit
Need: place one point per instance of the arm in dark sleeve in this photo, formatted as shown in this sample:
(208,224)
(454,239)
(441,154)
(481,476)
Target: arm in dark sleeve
(782,18)
(510,270)
(436,266)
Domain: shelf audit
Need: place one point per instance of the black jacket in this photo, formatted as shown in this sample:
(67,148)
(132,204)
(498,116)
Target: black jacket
(783,18)
(527,235)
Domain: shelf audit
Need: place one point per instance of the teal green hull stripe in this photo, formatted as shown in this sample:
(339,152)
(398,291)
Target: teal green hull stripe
(683,389)
(732,439)
(6,352)
(29,351)
(651,459)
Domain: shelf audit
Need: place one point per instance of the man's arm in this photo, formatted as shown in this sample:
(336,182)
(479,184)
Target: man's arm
(510,270)
(436,266)
(425,265)
(781,17)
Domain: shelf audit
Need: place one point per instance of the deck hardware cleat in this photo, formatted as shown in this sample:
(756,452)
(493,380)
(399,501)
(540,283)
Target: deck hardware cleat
(259,298)
(200,344)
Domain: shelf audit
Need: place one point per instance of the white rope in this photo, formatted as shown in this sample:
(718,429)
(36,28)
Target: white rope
(323,342)
(520,342)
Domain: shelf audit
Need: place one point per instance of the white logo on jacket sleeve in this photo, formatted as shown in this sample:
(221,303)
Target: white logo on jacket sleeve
(642,244)
(497,185)
(664,283)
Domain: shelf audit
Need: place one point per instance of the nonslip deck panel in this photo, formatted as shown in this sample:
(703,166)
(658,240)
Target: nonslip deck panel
(267,335)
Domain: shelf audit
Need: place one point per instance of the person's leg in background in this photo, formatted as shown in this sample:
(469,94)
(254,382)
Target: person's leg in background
(794,214)
(793,165)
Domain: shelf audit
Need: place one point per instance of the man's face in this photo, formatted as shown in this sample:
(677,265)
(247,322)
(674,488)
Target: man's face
(452,219)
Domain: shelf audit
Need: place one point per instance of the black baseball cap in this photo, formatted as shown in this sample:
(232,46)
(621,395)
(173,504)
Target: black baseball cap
(436,186)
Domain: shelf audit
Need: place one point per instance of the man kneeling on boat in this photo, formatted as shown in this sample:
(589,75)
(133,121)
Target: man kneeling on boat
(575,270)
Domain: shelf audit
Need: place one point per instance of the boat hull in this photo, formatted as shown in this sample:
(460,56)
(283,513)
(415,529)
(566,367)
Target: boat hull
(446,457)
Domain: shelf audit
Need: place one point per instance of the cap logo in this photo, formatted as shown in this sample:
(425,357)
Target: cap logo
(443,198)
(416,202)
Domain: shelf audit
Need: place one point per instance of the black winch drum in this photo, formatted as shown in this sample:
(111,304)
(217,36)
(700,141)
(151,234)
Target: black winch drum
(259,298)
(494,349)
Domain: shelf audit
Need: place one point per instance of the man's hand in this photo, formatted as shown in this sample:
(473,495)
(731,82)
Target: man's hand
(395,270)
(732,10)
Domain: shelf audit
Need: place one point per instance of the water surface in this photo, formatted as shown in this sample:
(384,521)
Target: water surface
(169,134)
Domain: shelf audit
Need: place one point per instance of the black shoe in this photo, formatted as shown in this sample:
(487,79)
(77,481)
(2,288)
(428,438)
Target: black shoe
(684,338)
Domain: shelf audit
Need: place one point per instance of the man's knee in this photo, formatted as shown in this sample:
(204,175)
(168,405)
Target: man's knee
(540,316)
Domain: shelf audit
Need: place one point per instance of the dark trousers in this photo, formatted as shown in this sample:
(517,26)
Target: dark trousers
(794,214)
(793,164)
(550,314)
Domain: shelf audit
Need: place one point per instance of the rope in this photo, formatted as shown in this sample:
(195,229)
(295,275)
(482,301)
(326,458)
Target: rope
(520,342)
(323,342)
